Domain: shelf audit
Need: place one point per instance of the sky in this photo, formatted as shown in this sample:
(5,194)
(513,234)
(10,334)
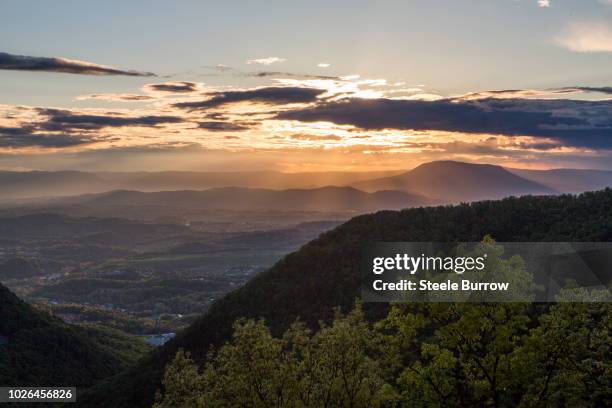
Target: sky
(304,86)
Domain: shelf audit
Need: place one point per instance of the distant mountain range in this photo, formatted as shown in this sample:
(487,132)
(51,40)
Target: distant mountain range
(340,199)
(64,183)
(439,182)
(451,182)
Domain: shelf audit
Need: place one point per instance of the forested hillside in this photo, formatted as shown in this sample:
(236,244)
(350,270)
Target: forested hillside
(40,350)
(325,273)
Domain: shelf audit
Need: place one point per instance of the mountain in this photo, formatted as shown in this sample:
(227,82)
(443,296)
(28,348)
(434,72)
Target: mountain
(26,184)
(325,273)
(448,174)
(453,182)
(37,349)
(325,199)
(568,180)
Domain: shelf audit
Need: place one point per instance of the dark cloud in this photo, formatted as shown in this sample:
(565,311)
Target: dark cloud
(63,120)
(216,116)
(265,74)
(19,137)
(222,126)
(270,95)
(576,123)
(45,64)
(174,87)
(117,97)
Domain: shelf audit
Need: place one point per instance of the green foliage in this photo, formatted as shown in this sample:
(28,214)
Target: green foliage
(467,359)
(427,355)
(568,356)
(336,367)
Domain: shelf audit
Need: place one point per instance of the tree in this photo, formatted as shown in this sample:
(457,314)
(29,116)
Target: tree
(336,367)
(457,354)
(566,359)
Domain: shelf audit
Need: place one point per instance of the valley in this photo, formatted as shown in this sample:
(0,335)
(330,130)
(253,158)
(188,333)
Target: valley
(141,278)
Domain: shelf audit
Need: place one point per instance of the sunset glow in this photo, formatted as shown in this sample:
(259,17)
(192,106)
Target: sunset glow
(286,115)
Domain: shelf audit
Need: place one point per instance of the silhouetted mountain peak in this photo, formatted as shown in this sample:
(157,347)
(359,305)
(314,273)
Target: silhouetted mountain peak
(453,181)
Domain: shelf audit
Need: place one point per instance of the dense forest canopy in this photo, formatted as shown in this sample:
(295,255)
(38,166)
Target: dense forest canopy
(430,355)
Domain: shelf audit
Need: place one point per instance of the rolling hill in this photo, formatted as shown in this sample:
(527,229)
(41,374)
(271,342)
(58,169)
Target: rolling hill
(15,184)
(453,182)
(39,350)
(324,199)
(325,273)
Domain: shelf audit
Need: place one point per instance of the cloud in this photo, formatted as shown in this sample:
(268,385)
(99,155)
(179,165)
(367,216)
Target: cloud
(269,95)
(323,65)
(173,87)
(216,126)
(115,97)
(21,137)
(266,61)
(576,123)
(64,120)
(303,136)
(543,3)
(265,74)
(513,93)
(531,93)
(586,37)
(63,65)
(599,89)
